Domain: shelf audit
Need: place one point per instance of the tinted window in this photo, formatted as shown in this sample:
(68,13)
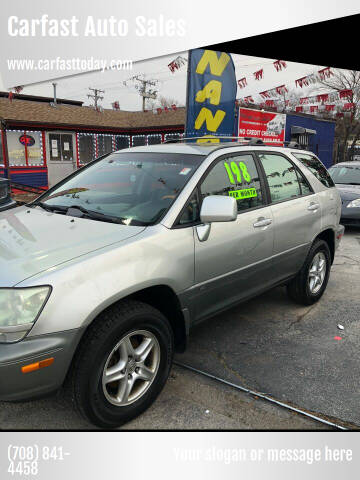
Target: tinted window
(137,188)
(281,176)
(236,176)
(315,167)
(345,174)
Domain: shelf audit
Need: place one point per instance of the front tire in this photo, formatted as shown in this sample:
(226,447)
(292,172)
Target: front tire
(122,364)
(310,283)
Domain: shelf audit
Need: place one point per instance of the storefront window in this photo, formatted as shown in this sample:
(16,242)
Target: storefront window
(122,141)
(153,139)
(34,150)
(25,148)
(105,144)
(15,148)
(87,151)
(138,140)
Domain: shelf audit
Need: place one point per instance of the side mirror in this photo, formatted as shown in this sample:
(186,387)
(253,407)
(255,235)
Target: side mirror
(218,208)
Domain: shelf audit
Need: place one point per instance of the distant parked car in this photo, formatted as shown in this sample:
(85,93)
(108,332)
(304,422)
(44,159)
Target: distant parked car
(346,176)
(5,198)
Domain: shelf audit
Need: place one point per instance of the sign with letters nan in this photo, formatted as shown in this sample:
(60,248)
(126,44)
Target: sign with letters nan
(211,94)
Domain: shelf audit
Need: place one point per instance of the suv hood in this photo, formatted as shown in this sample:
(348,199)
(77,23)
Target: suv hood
(348,192)
(33,240)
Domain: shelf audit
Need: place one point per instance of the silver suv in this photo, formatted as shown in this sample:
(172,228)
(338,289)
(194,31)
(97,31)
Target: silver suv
(102,277)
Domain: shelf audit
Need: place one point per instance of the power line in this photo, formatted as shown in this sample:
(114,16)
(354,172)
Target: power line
(96,97)
(141,85)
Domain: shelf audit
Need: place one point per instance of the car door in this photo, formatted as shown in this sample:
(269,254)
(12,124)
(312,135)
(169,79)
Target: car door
(234,262)
(296,213)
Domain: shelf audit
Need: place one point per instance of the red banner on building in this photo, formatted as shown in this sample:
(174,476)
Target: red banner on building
(269,126)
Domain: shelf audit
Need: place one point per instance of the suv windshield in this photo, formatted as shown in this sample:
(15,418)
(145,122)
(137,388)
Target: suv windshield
(349,174)
(131,188)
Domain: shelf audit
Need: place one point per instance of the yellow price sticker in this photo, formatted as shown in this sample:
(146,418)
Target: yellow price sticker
(244,193)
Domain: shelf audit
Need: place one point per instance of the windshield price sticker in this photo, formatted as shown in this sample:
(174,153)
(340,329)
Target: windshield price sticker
(244,193)
(237,172)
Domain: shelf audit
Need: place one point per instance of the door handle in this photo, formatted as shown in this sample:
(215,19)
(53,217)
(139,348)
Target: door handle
(262,222)
(313,207)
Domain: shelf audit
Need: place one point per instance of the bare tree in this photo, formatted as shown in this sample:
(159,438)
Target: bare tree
(288,101)
(347,127)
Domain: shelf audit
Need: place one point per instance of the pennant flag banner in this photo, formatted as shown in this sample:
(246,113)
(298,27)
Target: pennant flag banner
(248,99)
(176,64)
(242,82)
(306,81)
(330,107)
(274,92)
(325,73)
(259,74)
(270,103)
(279,65)
(211,95)
(346,93)
(282,89)
(323,97)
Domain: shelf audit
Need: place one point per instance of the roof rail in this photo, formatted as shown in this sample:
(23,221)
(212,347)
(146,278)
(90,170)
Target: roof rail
(253,141)
(247,140)
(292,145)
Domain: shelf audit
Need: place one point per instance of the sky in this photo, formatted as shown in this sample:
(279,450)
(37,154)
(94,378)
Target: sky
(171,85)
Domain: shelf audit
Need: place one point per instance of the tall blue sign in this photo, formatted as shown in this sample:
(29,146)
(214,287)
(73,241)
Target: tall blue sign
(211,95)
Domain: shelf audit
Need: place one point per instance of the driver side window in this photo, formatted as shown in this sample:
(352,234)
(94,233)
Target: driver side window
(235,176)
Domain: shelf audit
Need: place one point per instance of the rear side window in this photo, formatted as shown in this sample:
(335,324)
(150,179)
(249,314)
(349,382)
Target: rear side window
(235,176)
(281,176)
(315,167)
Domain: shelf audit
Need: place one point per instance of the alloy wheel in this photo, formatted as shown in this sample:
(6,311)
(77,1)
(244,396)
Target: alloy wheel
(317,273)
(131,367)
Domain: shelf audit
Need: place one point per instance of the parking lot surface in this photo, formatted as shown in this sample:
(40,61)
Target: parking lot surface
(268,344)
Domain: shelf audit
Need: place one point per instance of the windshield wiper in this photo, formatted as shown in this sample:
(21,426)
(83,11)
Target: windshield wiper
(102,217)
(85,213)
(48,208)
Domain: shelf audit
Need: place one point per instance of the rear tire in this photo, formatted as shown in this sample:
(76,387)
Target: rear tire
(310,283)
(104,351)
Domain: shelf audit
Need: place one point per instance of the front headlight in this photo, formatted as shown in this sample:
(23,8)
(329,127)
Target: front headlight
(354,203)
(19,309)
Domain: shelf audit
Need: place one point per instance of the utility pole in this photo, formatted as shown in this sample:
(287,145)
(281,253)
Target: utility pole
(96,96)
(54,87)
(142,87)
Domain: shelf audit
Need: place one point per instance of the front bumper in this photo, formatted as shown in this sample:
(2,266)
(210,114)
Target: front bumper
(15,385)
